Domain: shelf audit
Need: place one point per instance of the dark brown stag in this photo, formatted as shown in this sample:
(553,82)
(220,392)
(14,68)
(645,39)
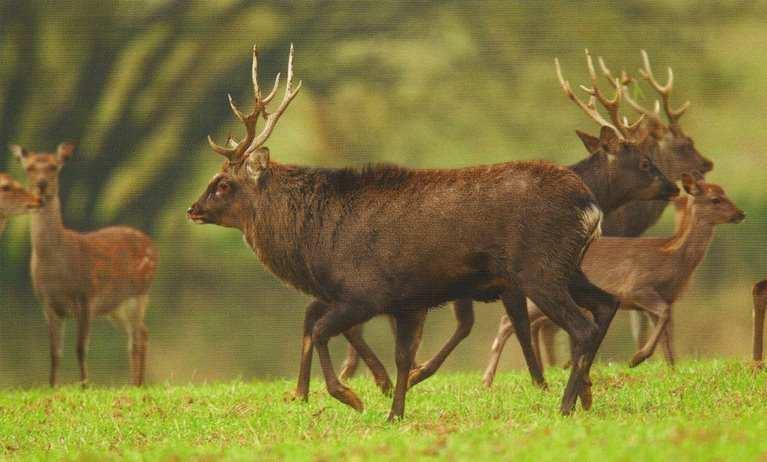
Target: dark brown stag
(618,171)
(84,275)
(370,241)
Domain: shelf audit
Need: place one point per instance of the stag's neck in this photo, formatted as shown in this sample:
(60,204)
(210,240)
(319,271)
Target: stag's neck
(283,223)
(47,228)
(595,173)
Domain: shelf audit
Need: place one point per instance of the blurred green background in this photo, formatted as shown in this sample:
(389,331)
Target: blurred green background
(139,84)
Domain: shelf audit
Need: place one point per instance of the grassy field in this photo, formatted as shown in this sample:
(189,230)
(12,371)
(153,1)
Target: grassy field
(702,410)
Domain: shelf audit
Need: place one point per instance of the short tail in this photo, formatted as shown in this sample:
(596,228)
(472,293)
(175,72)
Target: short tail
(591,219)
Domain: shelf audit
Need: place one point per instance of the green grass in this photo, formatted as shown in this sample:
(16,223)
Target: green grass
(702,410)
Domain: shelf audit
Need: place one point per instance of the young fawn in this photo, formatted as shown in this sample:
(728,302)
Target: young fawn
(371,241)
(618,171)
(15,200)
(84,275)
(647,273)
(760,304)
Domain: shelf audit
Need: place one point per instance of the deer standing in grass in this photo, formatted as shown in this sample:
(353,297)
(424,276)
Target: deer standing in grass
(15,200)
(760,304)
(619,170)
(84,275)
(649,273)
(676,154)
(371,241)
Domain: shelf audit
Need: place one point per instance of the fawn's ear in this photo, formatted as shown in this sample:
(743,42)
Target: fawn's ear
(610,141)
(257,162)
(64,151)
(18,152)
(691,185)
(592,143)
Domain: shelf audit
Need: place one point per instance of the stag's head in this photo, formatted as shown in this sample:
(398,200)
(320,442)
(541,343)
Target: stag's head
(14,199)
(43,168)
(679,154)
(710,202)
(230,193)
(628,155)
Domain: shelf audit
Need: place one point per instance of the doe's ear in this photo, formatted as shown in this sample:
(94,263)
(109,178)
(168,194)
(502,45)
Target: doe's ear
(64,151)
(591,143)
(610,140)
(258,161)
(18,152)
(691,185)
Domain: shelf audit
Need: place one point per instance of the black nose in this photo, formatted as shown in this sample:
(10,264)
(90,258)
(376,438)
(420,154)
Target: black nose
(42,185)
(190,210)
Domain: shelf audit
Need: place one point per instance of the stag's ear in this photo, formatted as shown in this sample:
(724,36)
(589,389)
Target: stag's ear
(591,142)
(691,185)
(64,151)
(257,162)
(610,141)
(647,144)
(18,152)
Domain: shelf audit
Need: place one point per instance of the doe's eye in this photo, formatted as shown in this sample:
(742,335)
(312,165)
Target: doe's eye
(5,188)
(222,188)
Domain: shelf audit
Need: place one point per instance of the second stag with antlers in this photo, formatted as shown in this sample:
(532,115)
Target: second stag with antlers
(371,241)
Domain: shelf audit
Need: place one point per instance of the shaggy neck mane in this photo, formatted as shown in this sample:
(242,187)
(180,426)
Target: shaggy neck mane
(296,207)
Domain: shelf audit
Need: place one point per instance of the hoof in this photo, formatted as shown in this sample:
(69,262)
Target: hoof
(348,397)
(586,397)
(385,386)
(417,375)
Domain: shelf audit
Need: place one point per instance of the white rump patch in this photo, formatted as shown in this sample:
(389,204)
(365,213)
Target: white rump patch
(591,219)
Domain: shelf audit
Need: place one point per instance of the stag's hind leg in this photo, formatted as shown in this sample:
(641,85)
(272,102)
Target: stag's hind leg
(314,311)
(516,309)
(464,315)
(363,350)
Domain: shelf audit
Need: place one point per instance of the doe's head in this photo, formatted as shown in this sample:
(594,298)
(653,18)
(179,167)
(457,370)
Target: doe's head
(14,199)
(42,168)
(711,202)
(231,192)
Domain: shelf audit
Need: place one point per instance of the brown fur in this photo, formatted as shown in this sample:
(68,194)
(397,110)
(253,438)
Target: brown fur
(84,275)
(14,199)
(650,274)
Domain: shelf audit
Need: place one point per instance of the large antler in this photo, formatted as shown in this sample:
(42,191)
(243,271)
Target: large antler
(623,81)
(237,150)
(663,90)
(621,126)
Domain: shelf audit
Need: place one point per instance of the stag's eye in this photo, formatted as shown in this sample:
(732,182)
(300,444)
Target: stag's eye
(222,189)
(644,164)
(716,201)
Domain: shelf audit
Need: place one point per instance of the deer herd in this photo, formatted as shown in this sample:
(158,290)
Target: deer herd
(560,247)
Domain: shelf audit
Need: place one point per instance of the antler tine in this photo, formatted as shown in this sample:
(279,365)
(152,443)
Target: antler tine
(624,80)
(611,105)
(236,149)
(664,90)
(272,118)
(589,108)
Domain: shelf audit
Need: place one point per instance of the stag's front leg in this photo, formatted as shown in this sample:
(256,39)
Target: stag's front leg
(362,349)
(83,315)
(408,332)
(339,318)
(516,308)
(314,311)
(464,315)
